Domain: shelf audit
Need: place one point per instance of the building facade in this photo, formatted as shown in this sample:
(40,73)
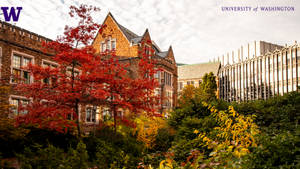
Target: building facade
(192,74)
(18,47)
(260,72)
(127,46)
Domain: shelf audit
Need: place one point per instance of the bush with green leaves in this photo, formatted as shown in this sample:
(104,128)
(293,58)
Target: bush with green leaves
(108,149)
(279,151)
(52,157)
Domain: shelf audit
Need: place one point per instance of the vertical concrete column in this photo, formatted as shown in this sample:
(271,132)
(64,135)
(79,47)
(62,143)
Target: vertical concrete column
(242,73)
(250,84)
(273,74)
(277,73)
(228,83)
(265,76)
(291,68)
(239,75)
(225,84)
(231,83)
(245,80)
(271,89)
(220,82)
(286,70)
(258,78)
(296,59)
(261,77)
(223,63)
(282,73)
(254,80)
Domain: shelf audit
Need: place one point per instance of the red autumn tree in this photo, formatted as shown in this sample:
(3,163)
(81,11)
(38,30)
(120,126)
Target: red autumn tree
(81,77)
(135,94)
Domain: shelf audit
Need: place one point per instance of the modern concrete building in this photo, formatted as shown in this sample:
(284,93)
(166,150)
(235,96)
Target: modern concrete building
(259,71)
(192,74)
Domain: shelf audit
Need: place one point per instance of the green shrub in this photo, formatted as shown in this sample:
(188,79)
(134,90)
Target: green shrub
(51,157)
(108,149)
(279,151)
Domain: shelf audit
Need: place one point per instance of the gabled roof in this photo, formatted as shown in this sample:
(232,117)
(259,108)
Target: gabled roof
(129,34)
(197,71)
(135,39)
(163,54)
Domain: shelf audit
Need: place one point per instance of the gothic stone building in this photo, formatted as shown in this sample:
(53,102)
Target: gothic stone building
(18,47)
(259,71)
(127,46)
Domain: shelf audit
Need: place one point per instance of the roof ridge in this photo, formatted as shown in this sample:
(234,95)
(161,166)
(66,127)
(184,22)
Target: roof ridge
(126,31)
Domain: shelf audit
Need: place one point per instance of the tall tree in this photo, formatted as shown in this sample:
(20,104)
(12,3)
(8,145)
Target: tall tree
(205,92)
(82,77)
(58,90)
(208,86)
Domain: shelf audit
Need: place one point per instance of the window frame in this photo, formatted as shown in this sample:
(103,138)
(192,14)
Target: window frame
(115,41)
(51,63)
(107,45)
(69,68)
(93,114)
(103,46)
(19,98)
(22,56)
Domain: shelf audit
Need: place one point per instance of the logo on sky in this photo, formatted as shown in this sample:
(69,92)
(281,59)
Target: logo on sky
(11,14)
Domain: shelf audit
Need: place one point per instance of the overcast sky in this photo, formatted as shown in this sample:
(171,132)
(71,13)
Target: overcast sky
(198,30)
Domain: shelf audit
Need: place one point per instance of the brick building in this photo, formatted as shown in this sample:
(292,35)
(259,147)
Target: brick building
(127,45)
(18,47)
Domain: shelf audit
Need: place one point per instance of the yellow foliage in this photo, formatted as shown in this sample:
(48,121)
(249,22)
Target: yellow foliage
(166,164)
(147,129)
(236,133)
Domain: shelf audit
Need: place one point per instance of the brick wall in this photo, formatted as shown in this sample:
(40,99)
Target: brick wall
(123,47)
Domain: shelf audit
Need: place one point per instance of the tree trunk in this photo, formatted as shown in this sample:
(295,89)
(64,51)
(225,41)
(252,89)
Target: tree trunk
(78,118)
(76,101)
(115,118)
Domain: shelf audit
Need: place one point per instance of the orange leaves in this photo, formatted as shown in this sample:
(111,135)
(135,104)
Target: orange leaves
(147,129)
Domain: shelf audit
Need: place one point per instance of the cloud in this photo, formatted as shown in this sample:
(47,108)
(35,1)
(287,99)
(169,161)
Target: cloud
(197,30)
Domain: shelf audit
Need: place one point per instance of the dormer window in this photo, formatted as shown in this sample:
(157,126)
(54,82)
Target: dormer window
(103,47)
(113,44)
(108,45)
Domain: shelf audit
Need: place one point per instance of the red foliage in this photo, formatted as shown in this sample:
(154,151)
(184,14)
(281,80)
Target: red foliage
(102,81)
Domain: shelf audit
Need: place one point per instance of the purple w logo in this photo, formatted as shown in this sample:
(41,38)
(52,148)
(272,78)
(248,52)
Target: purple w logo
(11,14)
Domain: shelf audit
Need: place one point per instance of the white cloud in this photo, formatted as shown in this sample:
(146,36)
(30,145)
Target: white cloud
(198,30)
